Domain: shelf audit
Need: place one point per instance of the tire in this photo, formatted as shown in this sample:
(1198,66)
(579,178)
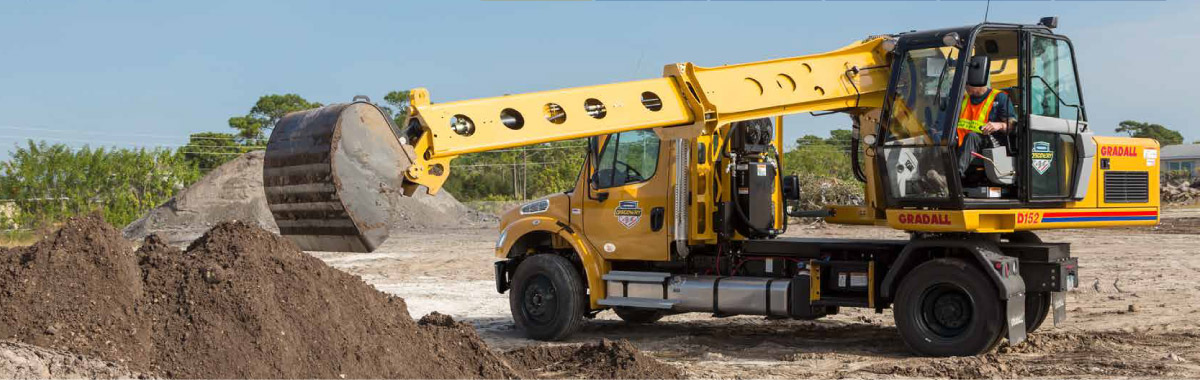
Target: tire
(548,297)
(639,316)
(1037,308)
(947,307)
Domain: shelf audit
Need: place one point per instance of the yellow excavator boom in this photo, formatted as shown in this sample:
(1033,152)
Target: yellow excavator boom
(688,101)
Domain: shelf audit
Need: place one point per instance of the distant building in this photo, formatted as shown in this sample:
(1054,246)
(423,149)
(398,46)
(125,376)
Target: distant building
(1183,157)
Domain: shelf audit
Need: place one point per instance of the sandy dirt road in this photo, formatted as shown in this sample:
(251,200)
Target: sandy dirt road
(1136,313)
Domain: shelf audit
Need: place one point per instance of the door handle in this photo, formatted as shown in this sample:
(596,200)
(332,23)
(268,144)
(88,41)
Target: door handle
(601,197)
(656,218)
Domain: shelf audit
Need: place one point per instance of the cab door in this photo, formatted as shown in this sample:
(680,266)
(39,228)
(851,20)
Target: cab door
(1057,141)
(625,205)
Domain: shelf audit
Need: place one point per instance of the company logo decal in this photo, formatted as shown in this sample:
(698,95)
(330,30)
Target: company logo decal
(1119,151)
(942,219)
(1042,157)
(628,213)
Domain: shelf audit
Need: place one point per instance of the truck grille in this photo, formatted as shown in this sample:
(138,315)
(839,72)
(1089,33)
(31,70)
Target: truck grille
(1126,187)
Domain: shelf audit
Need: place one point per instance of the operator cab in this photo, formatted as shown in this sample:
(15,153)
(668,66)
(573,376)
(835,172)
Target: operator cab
(1039,159)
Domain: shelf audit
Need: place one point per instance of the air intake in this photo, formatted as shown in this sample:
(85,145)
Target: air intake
(1126,187)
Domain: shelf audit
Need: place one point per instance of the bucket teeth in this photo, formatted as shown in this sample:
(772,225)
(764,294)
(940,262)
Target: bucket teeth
(328,175)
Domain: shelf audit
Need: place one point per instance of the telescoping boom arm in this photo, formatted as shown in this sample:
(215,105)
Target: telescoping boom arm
(688,101)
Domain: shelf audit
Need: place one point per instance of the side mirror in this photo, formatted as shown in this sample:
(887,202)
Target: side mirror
(791,188)
(978,71)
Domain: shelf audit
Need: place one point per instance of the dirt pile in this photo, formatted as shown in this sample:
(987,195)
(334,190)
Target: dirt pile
(239,302)
(234,191)
(23,361)
(601,360)
(1090,354)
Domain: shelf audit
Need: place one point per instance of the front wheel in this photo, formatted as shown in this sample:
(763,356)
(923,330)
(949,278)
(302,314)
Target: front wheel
(548,298)
(947,307)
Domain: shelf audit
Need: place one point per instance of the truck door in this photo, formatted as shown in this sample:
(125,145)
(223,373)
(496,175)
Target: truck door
(624,214)
(1057,140)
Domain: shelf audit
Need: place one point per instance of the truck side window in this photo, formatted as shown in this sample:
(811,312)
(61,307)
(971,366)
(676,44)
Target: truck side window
(1053,79)
(627,157)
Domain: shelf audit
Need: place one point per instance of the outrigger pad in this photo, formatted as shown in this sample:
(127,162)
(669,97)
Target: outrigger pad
(330,175)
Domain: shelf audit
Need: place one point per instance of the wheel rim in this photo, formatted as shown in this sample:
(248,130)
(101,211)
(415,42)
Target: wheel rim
(540,300)
(946,310)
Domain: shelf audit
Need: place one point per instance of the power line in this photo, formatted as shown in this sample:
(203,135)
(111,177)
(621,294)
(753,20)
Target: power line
(124,143)
(87,132)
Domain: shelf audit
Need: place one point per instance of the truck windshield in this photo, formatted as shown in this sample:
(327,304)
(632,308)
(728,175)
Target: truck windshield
(924,81)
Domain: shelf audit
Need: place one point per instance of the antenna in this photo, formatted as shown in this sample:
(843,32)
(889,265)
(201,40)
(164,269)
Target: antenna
(987,9)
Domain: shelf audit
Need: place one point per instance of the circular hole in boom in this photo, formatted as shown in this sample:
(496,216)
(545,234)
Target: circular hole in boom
(511,118)
(785,82)
(755,86)
(595,108)
(554,113)
(651,101)
(462,125)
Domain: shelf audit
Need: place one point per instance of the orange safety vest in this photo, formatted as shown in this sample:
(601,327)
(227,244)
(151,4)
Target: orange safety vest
(973,117)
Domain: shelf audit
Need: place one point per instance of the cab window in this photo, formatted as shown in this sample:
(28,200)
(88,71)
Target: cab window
(1053,89)
(626,158)
(924,82)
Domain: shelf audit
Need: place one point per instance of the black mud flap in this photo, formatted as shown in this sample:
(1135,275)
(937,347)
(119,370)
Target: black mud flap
(1012,289)
(1058,301)
(502,281)
(1016,318)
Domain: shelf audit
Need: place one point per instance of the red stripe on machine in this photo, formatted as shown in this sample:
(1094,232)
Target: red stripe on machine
(1101,213)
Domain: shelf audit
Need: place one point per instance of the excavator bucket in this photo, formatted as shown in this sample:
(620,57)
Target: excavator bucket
(330,175)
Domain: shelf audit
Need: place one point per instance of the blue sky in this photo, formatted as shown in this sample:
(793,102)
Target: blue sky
(147,74)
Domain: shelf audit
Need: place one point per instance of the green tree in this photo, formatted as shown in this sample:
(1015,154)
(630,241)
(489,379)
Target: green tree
(51,182)
(254,127)
(208,150)
(823,157)
(516,173)
(1163,135)
(398,100)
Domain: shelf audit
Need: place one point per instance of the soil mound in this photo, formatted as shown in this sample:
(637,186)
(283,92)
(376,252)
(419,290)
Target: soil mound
(234,191)
(80,289)
(240,302)
(601,360)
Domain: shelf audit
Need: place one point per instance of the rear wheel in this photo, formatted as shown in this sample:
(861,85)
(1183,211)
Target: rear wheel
(638,316)
(548,297)
(1037,307)
(947,307)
